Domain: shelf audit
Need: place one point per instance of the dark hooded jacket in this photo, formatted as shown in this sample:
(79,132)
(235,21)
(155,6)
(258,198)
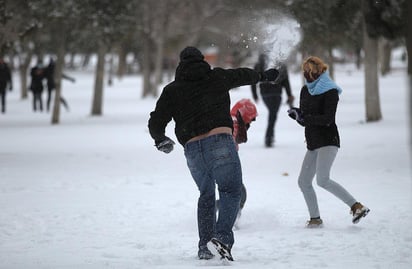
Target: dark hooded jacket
(37,73)
(5,76)
(198,99)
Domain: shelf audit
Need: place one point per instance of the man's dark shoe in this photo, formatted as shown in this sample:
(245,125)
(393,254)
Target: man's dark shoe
(204,253)
(269,142)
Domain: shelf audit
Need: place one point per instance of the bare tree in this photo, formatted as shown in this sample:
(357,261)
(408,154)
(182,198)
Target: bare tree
(159,36)
(16,24)
(381,19)
(370,47)
(153,29)
(97,102)
(372,100)
(61,50)
(145,32)
(409,37)
(106,27)
(58,20)
(24,55)
(385,50)
(409,50)
(160,31)
(12,25)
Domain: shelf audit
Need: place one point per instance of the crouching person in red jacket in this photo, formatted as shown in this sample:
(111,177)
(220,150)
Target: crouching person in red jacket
(243,113)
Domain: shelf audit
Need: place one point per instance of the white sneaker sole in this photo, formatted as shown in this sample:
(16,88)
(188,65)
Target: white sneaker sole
(223,251)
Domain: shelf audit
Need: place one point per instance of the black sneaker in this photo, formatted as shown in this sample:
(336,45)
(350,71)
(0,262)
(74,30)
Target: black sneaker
(204,253)
(269,142)
(222,249)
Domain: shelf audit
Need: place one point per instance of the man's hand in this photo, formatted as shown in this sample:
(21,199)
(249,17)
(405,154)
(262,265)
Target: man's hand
(165,145)
(268,75)
(290,101)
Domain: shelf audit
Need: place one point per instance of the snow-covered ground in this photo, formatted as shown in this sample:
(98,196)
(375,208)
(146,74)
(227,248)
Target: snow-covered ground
(92,192)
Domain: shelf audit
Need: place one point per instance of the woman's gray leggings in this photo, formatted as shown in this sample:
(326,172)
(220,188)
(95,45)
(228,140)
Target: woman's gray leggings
(319,162)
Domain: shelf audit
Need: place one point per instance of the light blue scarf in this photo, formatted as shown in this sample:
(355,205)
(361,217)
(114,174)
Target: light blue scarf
(322,84)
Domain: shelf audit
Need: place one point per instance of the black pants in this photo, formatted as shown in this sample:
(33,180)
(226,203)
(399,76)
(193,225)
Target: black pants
(37,100)
(3,100)
(272,102)
(62,100)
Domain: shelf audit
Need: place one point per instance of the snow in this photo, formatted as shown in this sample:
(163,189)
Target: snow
(92,192)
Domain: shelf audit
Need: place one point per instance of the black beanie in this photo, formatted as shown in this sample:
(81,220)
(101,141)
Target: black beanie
(191,53)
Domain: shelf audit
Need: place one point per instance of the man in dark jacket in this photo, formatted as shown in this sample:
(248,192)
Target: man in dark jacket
(199,103)
(271,91)
(5,79)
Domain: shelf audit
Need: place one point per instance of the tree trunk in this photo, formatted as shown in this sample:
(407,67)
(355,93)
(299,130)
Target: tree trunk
(409,50)
(72,64)
(146,68)
(110,73)
(409,37)
(385,50)
(23,82)
(158,74)
(331,63)
(86,60)
(410,114)
(24,66)
(358,58)
(97,105)
(373,109)
(58,83)
(122,62)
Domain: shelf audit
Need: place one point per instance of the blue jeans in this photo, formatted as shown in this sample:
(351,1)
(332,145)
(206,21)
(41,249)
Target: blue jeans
(214,160)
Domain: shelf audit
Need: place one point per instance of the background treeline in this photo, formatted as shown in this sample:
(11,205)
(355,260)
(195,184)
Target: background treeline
(144,36)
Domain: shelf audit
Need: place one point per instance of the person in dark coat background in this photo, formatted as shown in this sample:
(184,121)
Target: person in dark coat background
(5,80)
(318,103)
(198,101)
(37,73)
(51,84)
(271,92)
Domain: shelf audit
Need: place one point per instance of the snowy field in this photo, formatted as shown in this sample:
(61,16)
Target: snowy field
(92,192)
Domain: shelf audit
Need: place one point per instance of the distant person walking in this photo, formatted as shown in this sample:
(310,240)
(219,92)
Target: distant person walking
(38,74)
(51,84)
(5,80)
(198,101)
(318,103)
(271,92)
